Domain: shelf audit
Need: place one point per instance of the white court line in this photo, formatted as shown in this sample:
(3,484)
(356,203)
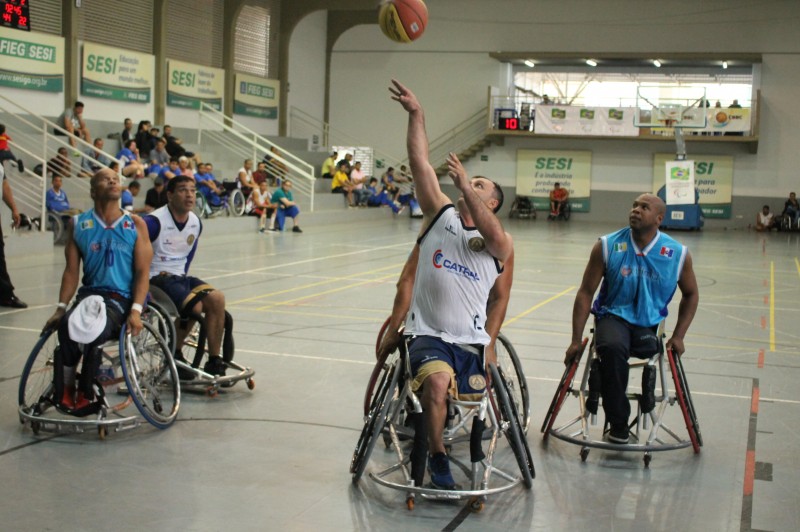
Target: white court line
(18,310)
(307,261)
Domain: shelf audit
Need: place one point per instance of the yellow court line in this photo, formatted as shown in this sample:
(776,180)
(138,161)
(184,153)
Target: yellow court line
(311,285)
(539,305)
(331,291)
(772,306)
(797,264)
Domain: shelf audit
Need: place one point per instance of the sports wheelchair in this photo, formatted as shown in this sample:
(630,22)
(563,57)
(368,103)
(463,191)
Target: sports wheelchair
(648,428)
(395,410)
(563,213)
(522,207)
(232,202)
(134,369)
(194,346)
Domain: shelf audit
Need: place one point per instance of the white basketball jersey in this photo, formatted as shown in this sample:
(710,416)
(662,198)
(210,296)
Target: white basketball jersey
(454,276)
(172,247)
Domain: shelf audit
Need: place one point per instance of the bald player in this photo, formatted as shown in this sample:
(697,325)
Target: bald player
(639,267)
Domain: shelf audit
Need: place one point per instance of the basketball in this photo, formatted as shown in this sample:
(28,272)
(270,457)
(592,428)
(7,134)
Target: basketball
(403,20)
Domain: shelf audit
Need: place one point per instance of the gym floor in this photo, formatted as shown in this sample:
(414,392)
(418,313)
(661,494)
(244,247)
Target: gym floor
(307,310)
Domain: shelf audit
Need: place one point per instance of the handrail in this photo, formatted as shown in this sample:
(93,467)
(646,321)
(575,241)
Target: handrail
(294,166)
(458,138)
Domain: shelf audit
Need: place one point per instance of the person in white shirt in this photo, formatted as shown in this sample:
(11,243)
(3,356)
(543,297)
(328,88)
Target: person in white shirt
(765,220)
(245,177)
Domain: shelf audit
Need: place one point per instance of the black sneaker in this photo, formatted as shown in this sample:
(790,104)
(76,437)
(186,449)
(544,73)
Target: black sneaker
(618,434)
(215,366)
(184,374)
(20,166)
(296,229)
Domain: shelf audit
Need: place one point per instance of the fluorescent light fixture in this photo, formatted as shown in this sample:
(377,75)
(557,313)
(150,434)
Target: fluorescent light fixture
(724,64)
(529,63)
(591,62)
(656,63)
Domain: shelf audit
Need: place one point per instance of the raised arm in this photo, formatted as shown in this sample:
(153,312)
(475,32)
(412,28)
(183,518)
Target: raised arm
(690,297)
(583,299)
(429,194)
(496,307)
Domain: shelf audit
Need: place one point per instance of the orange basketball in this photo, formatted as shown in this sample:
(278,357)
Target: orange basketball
(403,20)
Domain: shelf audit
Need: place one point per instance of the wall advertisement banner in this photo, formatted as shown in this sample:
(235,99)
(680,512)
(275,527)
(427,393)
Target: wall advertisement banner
(598,121)
(713,176)
(188,85)
(256,96)
(679,182)
(116,74)
(31,60)
(718,122)
(539,170)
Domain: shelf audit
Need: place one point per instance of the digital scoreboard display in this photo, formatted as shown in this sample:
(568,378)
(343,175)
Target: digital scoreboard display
(15,14)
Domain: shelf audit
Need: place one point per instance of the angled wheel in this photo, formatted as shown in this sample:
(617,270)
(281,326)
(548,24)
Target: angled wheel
(513,428)
(566,211)
(685,400)
(151,375)
(511,369)
(376,418)
(163,323)
(36,382)
(236,202)
(561,391)
(56,226)
(200,205)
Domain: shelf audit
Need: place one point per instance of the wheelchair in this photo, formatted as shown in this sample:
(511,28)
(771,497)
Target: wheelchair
(563,213)
(648,428)
(136,370)
(194,346)
(394,407)
(522,207)
(232,202)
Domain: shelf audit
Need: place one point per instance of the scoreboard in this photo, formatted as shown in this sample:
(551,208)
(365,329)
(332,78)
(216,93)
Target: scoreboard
(15,14)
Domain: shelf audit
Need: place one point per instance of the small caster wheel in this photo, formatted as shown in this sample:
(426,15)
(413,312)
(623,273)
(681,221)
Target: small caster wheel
(102,432)
(410,503)
(212,391)
(476,505)
(251,384)
(36,427)
(647,459)
(584,454)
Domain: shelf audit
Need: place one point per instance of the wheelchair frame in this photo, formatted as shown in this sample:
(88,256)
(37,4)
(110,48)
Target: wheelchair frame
(387,406)
(231,206)
(648,428)
(194,346)
(143,361)
(519,210)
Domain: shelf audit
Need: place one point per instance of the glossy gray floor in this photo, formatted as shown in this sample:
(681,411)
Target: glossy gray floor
(307,310)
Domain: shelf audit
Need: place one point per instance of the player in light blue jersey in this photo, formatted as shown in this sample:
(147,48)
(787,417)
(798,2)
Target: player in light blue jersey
(640,268)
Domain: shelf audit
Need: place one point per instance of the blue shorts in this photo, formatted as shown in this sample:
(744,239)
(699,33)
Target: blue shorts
(429,355)
(181,289)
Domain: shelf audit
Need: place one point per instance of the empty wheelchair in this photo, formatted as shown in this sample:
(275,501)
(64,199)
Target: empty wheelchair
(522,207)
(135,370)
(394,408)
(648,429)
(231,202)
(193,351)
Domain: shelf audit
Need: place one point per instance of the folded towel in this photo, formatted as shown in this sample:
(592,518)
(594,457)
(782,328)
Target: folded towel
(88,320)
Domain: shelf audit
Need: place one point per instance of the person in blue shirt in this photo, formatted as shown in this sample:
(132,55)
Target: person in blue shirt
(640,268)
(171,170)
(56,199)
(128,194)
(129,160)
(115,250)
(377,197)
(208,185)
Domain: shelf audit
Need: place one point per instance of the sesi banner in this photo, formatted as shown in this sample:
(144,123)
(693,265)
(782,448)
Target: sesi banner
(116,74)
(713,178)
(539,170)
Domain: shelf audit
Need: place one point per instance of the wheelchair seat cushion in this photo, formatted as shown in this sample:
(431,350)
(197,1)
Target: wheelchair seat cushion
(465,365)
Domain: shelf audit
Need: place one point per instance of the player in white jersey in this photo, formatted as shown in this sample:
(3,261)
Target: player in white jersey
(461,255)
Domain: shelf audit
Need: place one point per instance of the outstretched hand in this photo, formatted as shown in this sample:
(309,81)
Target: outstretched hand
(406,98)
(456,171)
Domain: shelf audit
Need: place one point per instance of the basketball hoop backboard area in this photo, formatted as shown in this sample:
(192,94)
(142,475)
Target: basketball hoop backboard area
(672,106)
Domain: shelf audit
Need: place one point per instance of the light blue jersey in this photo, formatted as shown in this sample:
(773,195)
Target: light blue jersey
(638,284)
(107,252)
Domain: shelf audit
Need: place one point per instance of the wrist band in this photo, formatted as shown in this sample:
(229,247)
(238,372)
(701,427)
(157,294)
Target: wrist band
(137,307)
(62,305)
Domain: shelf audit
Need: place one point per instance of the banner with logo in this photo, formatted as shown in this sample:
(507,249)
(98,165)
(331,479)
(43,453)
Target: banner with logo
(256,96)
(713,178)
(679,182)
(188,85)
(598,121)
(718,122)
(31,60)
(116,74)
(539,170)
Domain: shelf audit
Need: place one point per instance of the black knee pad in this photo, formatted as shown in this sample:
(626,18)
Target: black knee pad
(595,385)
(648,400)
(227,338)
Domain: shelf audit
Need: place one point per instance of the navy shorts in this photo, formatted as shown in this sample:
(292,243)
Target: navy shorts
(464,364)
(181,289)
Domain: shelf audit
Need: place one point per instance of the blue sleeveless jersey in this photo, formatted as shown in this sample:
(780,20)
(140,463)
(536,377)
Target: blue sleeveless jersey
(107,252)
(638,284)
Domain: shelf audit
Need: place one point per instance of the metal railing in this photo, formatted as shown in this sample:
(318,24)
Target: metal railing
(238,139)
(459,138)
(33,137)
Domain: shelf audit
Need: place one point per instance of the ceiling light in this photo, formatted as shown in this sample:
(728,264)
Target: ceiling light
(657,63)
(529,63)
(591,62)
(724,64)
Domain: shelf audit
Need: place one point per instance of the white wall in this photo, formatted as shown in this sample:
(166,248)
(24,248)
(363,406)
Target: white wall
(450,70)
(47,104)
(307,70)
